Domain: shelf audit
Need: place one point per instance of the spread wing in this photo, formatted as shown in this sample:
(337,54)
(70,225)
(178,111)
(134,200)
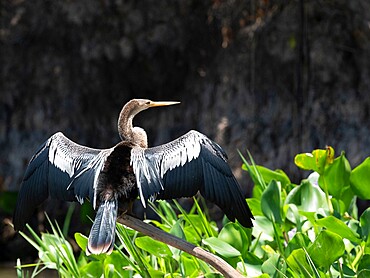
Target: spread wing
(182,167)
(61,169)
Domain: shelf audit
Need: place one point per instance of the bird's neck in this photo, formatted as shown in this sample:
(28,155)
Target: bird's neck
(128,132)
(125,128)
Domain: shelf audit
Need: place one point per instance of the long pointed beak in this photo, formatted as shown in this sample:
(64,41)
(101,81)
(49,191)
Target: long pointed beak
(162,103)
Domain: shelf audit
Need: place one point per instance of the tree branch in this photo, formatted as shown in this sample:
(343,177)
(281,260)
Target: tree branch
(179,243)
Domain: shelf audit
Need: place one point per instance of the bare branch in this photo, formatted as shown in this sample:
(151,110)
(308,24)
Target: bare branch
(179,243)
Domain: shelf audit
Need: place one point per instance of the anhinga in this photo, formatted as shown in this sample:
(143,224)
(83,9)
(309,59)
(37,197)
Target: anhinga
(67,171)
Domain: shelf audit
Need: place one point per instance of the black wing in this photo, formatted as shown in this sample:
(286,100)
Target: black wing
(188,164)
(61,169)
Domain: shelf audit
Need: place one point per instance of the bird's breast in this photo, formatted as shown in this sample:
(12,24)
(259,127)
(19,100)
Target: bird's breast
(117,178)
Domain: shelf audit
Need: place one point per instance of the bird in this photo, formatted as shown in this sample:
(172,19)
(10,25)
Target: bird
(113,178)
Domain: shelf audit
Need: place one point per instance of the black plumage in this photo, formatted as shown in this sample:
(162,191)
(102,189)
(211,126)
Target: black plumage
(67,171)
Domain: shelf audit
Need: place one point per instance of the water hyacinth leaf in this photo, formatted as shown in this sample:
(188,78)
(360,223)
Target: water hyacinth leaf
(365,223)
(322,252)
(190,265)
(221,247)
(298,241)
(268,175)
(177,230)
(262,228)
(307,197)
(274,266)
(316,160)
(333,224)
(298,262)
(360,180)
(81,240)
(255,206)
(364,273)
(152,246)
(108,270)
(234,235)
(364,263)
(336,176)
(118,261)
(92,269)
(271,202)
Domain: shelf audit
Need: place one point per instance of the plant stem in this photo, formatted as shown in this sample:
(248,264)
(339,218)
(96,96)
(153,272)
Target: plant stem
(179,243)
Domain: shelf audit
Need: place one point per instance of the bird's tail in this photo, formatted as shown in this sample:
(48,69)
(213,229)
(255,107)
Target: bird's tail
(101,238)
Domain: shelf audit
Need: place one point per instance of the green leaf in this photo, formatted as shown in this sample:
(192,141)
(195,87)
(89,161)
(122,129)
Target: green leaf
(119,262)
(360,180)
(271,202)
(262,228)
(316,160)
(307,197)
(338,227)
(365,223)
(269,175)
(234,235)
(274,265)
(297,261)
(299,240)
(336,176)
(81,241)
(152,246)
(92,269)
(365,273)
(221,247)
(322,250)
(255,206)
(364,263)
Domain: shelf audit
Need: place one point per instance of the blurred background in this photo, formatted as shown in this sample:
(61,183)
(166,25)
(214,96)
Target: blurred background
(273,77)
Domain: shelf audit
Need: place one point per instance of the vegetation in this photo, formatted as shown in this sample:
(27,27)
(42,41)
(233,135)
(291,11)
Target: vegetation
(308,230)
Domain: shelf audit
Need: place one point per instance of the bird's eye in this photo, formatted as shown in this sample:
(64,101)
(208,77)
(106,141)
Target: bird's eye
(148,102)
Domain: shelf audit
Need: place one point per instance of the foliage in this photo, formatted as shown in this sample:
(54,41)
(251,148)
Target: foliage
(306,230)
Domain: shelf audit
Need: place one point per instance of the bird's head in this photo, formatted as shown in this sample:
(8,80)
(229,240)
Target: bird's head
(138,105)
(128,112)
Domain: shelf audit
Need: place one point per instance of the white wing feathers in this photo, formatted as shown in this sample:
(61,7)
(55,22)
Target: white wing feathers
(150,165)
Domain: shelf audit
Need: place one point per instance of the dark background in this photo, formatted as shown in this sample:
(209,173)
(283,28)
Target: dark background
(274,77)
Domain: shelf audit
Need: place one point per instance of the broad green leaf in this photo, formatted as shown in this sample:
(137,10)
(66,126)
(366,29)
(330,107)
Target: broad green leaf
(118,261)
(269,175)
(360,180)
(234,235)
(154,273)
(92,269)
(316,160)
(190,265)
(271,202)
(262,228)
(108,270)
(364,273)
(274,266)
(333,224)
(364,264)
(322,250)
(365,223)
(298,262)
(299,240)
(336,176)
(177,231)
(81,240)
(153,247)
(307,197)
(221,247)
(255,206)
